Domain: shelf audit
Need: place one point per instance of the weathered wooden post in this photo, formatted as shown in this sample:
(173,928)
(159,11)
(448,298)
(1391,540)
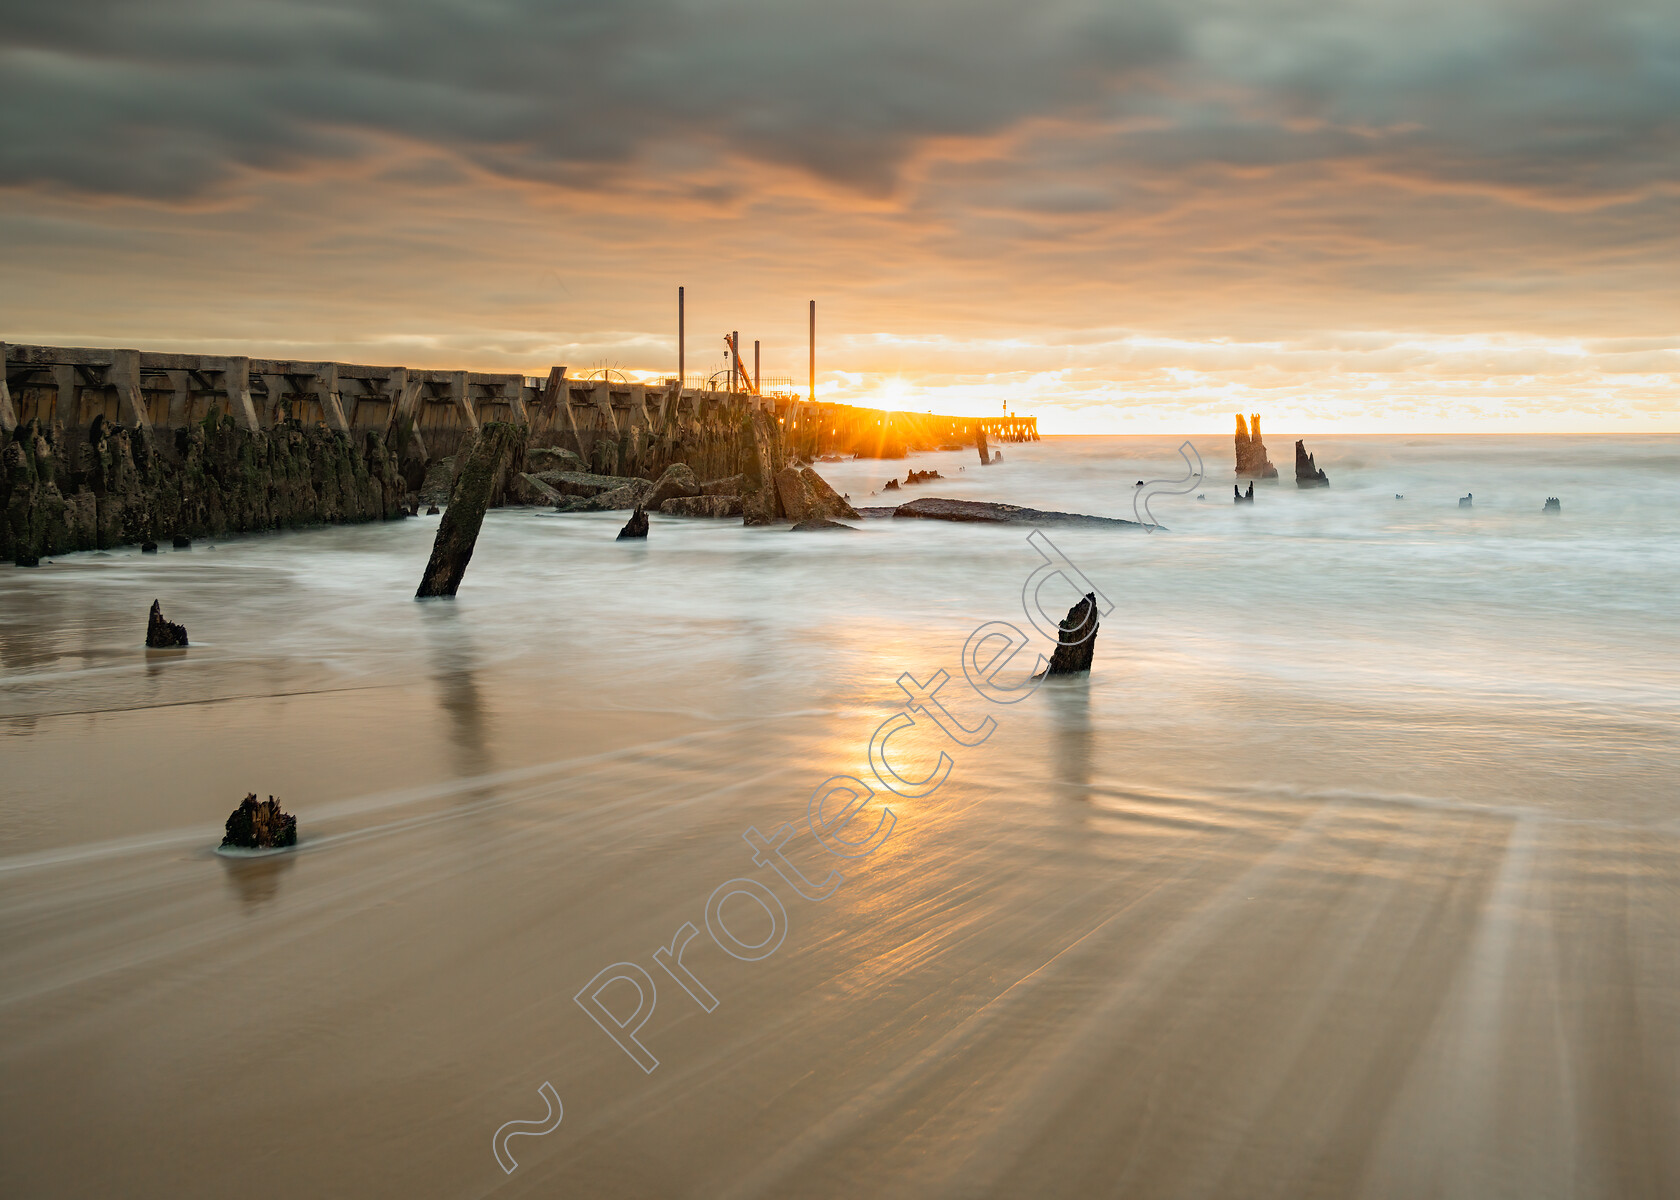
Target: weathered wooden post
(813,352)
(1076,641)
(486,462)
(682,379)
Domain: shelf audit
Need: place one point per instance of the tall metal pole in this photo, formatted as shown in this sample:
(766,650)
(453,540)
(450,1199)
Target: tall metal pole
(756,386)
(813,352)
(681,363)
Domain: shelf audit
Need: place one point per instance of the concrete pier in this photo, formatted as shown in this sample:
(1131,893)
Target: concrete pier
(429,412)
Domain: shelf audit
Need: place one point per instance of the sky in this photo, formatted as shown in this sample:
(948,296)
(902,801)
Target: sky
(1118,217)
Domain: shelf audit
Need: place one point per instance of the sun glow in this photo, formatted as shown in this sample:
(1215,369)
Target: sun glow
(894,394)
(1346,381)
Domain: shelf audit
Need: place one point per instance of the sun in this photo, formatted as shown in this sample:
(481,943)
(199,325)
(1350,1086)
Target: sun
(893,394)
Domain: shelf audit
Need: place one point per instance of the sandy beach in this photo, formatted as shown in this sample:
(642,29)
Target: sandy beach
(1350,871)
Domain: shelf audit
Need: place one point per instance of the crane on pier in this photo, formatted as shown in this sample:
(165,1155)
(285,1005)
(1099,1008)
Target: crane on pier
(736,369)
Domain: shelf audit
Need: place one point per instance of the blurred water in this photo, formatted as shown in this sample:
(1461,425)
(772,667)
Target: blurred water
(1350,870)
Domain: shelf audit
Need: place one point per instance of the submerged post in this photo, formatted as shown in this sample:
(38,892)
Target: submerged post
(488,458)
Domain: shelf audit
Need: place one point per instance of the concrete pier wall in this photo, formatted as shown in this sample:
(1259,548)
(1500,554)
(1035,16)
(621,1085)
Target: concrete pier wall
(427,413)
(100,448)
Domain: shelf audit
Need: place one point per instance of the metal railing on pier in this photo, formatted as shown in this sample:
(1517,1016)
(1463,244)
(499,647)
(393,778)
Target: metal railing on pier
(718,381)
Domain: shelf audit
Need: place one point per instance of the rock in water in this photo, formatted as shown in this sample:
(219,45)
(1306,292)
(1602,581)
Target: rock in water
(1553,504)
(183,542)
(1077,641)
(160,633)
(582,483)
(526,488)
(825,501)
(989,512)
(1464,501)
(678,481)
(487,461)
(792,497)
(636,526)
(1252,462)
(260,825)
(552,458)
(703,506)
(816,523)
(730,486)
(890,486)
(1307,474)
(628,498)
(434,490)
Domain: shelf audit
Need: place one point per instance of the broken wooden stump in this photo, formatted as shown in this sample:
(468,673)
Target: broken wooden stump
(1077,641)
(259,825)
(161,634)
(636,526)
(484,467)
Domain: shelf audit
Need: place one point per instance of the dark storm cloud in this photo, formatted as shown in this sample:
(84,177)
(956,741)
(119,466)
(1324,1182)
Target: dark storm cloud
(1551,95)
(165,98)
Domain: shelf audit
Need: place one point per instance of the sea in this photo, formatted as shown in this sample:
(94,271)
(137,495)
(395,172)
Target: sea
(1352,869)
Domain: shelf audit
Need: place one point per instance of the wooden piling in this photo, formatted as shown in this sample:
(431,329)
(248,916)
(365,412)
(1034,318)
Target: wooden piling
(488,460)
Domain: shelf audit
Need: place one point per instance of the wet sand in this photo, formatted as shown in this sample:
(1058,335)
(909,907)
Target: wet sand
(1188,929)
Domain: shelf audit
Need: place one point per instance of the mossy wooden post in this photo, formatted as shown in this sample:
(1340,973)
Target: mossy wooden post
(484,464)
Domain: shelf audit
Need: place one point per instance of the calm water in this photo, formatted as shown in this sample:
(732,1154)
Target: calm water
(1352,870)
